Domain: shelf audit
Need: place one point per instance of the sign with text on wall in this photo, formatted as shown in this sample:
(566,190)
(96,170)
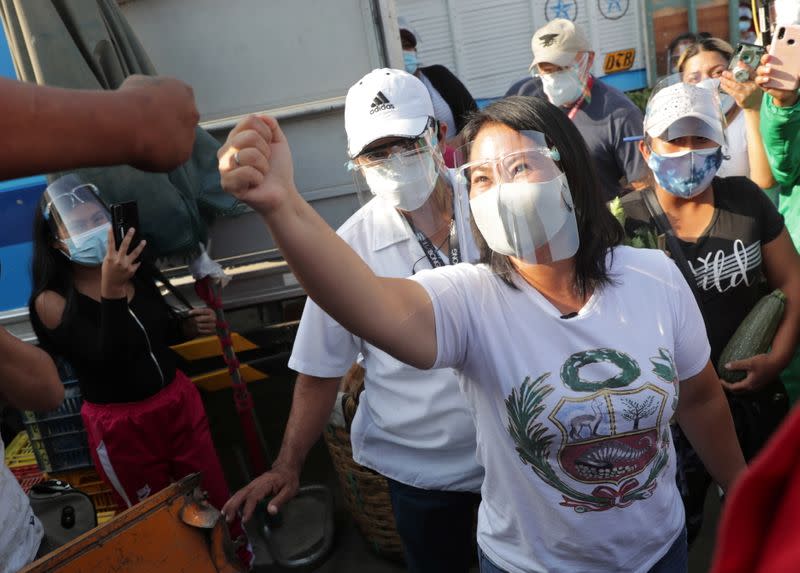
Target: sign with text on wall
(488,44)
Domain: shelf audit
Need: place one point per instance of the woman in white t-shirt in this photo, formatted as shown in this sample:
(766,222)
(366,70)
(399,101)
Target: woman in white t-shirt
(706,62)
(572,351)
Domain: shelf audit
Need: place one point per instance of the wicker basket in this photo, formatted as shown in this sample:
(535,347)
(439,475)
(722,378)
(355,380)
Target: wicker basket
(365,491)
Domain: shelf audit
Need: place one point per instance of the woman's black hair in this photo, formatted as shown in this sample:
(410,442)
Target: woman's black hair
(599,231)
(50,270)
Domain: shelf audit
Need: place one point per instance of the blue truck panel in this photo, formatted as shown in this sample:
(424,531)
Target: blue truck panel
(18,200)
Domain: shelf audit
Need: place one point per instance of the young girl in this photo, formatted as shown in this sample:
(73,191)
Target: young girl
(726,236)
(570,350)
(100,309)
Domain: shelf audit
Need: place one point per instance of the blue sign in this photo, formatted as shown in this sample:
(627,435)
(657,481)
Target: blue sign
(613,9)
(567,9)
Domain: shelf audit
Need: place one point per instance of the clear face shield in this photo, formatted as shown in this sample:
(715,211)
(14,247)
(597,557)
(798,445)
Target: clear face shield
(406,174)
(401,172)
(75,211)
(519,196)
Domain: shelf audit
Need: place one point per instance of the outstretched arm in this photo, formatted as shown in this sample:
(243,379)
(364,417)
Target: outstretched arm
(28,378)
(395,315)
(148,123)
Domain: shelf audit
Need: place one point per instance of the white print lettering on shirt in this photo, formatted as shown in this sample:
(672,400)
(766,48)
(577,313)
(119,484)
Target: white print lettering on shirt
(723,272)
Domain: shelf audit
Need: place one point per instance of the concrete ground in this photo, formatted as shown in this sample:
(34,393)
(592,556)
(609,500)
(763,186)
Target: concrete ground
(350,552)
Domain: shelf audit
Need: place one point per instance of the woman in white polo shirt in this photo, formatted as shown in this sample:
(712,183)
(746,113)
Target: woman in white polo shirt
(574,353)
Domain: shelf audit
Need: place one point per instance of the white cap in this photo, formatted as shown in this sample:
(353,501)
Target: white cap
(558,42)
(681,110)
(385,103)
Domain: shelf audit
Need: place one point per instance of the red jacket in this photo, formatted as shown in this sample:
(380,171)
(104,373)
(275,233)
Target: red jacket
(760,529)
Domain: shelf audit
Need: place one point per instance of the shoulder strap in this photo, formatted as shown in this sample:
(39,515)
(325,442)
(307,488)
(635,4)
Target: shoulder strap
(156,272)
(662,223)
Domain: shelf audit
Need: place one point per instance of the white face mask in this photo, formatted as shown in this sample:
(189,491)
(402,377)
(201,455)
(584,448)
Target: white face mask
(562,88)
(726,101)
(404,184)
(516,219)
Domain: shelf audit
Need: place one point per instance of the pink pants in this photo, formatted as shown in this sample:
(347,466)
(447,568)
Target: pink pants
(139,448)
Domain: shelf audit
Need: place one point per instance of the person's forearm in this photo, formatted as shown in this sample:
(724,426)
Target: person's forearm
(28,377)
(706,421)
(785,342)
(55,129)
(394,314)
(312,403)
(760,172)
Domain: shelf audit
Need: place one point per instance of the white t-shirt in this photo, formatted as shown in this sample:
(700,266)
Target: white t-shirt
(573,414)
(411,425)
(738,163)
(20,530)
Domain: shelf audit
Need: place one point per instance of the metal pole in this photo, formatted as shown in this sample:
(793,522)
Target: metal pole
(692,9)
(650,44)
(733,22)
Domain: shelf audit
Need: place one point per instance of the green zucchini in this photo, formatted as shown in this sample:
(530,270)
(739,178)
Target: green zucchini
(754,335)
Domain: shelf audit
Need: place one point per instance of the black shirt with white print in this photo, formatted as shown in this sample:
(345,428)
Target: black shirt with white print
(725,261)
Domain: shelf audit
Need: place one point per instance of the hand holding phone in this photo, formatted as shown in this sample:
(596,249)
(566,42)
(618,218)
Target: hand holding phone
(784,65)
(745,58)
(125,216)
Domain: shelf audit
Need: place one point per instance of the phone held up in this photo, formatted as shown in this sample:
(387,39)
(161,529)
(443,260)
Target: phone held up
(125,216)
(748,54)
(785,50)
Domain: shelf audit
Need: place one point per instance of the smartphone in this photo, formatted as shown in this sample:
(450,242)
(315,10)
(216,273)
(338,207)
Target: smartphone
(749,54)
(125,216)
(785,49)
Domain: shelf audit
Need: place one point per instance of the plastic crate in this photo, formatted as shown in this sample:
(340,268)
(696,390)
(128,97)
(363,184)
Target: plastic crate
(20,452)
(85,480)
(105,516)
(105,501)
(51,459)
(58,443)
(28,476)
(71,405)
(58,438)
(54,427)
(88,481)
(65,370)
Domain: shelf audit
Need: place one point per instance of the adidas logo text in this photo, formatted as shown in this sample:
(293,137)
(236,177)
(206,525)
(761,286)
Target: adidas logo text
(380,103)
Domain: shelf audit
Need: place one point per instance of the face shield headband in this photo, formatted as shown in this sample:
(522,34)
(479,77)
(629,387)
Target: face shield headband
(73,209)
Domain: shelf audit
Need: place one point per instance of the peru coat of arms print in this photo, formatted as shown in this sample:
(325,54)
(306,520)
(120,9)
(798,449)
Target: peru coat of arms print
(614,437)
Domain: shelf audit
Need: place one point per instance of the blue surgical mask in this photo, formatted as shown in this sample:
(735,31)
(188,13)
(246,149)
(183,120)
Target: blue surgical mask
(410,61)
(687,173)
(89,248)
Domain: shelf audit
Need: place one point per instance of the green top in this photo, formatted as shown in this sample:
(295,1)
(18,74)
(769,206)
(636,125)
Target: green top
(780,130)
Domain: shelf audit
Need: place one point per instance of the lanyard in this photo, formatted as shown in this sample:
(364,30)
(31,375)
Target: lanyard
(431,252)
(577,105)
